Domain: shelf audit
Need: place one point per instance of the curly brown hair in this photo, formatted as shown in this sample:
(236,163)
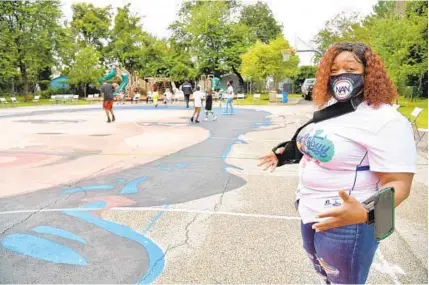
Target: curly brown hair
(378,87)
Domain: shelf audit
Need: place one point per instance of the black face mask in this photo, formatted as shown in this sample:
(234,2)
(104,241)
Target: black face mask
(346,86)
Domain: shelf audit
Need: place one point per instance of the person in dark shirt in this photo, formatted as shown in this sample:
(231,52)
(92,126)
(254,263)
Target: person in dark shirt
(209,104)
(187,91)
(107,91)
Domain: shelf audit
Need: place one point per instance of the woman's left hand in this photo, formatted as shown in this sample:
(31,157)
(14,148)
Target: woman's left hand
(349,213)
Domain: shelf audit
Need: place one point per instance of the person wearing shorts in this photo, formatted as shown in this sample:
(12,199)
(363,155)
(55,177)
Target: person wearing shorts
(198,96)
(107,91)
(209,104)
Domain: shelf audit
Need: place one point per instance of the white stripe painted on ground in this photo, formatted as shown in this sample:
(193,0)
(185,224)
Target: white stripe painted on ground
(156,209)
(387,268)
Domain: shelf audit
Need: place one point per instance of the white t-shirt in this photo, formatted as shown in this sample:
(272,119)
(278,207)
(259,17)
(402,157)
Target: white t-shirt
(343,153)
(229,92)
(198,96)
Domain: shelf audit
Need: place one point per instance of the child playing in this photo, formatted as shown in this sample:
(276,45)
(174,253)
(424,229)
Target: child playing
(198,96)
(209,103)
(155,95)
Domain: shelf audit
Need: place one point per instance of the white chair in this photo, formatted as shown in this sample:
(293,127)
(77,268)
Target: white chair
(257,97)
(279,97)
(65,98)
(75,99)
(97,97)
(90,98)
(14,101)
(4,102)
(59,98)
(240,97)
(36,99)
(413,119)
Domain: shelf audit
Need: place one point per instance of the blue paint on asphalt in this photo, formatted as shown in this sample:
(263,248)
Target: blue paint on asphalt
(120,180)
(238,141)
(43,249)
(165,168)
(53,231)
(95,205)
(226,152)
(182,164)
(88,188)
(265,123)
(132,186)
(155,253)
(154,219)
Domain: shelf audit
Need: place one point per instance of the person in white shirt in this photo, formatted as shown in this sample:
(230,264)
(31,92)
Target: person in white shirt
(229,98)
(198,97)
(347,159)
(167,96)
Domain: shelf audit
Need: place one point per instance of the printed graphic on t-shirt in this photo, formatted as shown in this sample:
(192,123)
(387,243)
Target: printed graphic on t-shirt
(317,146)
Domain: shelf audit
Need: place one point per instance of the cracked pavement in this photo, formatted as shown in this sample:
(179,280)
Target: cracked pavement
(199,246)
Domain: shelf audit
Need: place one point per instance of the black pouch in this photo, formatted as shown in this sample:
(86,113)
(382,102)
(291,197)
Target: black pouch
(290,155)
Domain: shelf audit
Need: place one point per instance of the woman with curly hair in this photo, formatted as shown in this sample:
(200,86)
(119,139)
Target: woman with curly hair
(347,159)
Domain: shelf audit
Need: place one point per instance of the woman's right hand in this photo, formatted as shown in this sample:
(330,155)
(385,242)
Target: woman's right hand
(269,161)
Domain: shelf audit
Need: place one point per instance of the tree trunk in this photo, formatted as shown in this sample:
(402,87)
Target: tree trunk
(240,78)
(84,89)
(23,70)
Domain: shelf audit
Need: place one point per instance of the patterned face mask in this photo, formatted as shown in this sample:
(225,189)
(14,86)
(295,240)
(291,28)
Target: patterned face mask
(346,86)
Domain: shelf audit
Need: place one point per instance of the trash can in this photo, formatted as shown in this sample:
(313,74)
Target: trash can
(284,99)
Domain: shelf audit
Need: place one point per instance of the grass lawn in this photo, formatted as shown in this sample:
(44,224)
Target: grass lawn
(407,107)
(41,102)
(264,99)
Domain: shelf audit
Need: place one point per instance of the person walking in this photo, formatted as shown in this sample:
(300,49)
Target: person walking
(187,91)
(229,98)
(198,97)
(347,159)
(107,91)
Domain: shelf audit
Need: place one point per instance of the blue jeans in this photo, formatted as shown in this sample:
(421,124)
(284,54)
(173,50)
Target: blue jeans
(229,102)
(341,255)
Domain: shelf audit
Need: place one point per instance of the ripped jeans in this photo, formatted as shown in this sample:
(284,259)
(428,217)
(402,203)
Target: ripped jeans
(341,255)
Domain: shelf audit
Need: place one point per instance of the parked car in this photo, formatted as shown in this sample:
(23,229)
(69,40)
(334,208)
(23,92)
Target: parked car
(307,88)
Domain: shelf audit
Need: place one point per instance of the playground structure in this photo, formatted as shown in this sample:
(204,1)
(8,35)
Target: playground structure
(209,81)
(125,77)
(132,83)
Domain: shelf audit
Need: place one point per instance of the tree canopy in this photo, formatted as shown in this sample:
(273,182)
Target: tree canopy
(398,36)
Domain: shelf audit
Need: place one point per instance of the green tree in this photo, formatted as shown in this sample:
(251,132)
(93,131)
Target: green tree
(340,28)
(91,24)
(128,40)
(399,38)
(86,69)
(29,38)
(305,71)
(259,18)
(264,60)
(208,31)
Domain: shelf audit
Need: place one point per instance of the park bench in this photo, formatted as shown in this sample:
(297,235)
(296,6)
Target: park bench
(257,97)
(53,100)
(3,102)
(36,99)
(14,101)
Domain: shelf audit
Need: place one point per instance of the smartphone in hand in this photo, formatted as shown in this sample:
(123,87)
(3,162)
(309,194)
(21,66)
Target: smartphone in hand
(384,213)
